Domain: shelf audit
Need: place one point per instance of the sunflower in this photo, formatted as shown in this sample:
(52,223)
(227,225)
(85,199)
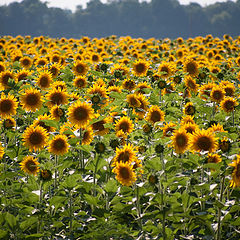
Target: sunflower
(127,154)
(190,127)
(187,119)
(30,165)
(216,128)
(165,69)
(125,124)
(35,138)
(235,182)
(88,135)
(140,68)
(40,122)
(41,62)
(129,84)
(228,104)
(155,114)
(80,68)
(44,79)
(203,140)
(99,128)
(190,66)
(189,109)
(205,90)
(125,174)
(217,94)
(26,62)
(80,82)
(59,85)
(180,140)
(31,99)
(98,95)
(133,101)
(140,112)
(22,75)
(2,67)
(55,69)
(9,123)
(5,77)
(56,97)
(213,158)
(58,145)
(45,175)
(142,86)
(191,84)
(1,151)
(80,113)
(8,105)
(229,89)
(57,112)
(168,129)
(224,145)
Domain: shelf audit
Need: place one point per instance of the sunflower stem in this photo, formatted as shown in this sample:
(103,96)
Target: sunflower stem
(162,207)
(218,234)
(71,214)
(138,207)
(55,173)
(40,206)
(81,159)
(163,166)
(233,118)
(160,97)
(95,172)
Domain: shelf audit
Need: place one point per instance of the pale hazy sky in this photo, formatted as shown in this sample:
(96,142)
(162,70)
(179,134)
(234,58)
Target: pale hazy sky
(71,4)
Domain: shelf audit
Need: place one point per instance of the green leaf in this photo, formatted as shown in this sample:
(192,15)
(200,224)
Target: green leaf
(11,220)
(57,201)
(85,148)
(111,186)
(50,123)
(28,223)
(36,235)
(91,200)
(73,141)
(3,234)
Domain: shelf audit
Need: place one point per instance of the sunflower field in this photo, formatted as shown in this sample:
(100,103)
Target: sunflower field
(119,138)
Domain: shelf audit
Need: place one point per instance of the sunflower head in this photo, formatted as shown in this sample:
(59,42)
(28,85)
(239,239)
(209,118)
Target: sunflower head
(125,174)
(8,105)
(30,165)
(26,62)
(190,66)
(228,104)
(56,97)
(155,114)
(44,79)
(58,145)
(45,175)
(189,109)
(140,68)
(7,79)
(80,113)
(125,124)
(235,181)
(80,68)
(180,140)
(9,123)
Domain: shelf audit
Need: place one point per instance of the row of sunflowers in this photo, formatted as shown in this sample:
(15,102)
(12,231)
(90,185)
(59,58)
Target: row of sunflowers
(119,138)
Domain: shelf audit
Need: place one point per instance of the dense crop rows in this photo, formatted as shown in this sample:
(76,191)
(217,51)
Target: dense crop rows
(119,138)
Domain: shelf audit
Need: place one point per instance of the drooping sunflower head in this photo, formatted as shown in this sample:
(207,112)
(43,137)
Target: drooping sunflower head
(99,128)
(55,69)
(125,124)
(224,145)
(189,109)
(133,101)
(8,105)
(42,121)
(228,104)
(214,158)
(1,151)
(180,140)
(190,66)
(168,129)
(88,135)
(125,174)
(44,79)
(57,112)
(235,181)
(56,97)
(5,77)
(9,123)
(205,90)
(140,68)
(80,113)
(58,145)
(35,138)
(190,127)
(31,99)
(30,165)
(202,141)
(80,68)
(155,114)
(191,84)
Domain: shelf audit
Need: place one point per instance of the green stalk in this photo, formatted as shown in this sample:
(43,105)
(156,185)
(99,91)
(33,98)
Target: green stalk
(95,172)
(138,207)
(163,211)
(218,234)
(233,118)
(55,178)
(71,215)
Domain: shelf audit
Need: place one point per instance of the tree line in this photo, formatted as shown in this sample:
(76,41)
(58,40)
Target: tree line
(157,18)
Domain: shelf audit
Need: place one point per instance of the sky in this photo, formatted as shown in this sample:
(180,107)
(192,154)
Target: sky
(71,4)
